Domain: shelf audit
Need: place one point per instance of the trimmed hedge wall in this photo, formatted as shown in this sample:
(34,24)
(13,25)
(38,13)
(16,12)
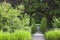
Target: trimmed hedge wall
(17,35)
(53,35)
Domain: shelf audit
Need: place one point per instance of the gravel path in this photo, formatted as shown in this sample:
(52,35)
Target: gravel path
(38,36)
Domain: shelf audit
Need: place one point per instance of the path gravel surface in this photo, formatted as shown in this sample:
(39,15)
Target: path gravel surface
(38,36)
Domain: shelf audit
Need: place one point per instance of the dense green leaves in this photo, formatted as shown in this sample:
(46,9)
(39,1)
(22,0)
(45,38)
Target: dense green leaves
(56,23)
(17,35)
(53,34)
(12,18)
(43,25)
(46,6)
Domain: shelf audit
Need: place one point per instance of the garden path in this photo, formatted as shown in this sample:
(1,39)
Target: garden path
(38,36)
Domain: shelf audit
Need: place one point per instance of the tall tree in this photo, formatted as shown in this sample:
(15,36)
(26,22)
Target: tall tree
(48,8)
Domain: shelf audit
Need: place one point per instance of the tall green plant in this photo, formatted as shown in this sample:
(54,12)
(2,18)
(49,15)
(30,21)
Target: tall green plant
(53,35)
(17,35)
(43,25)
(33,27)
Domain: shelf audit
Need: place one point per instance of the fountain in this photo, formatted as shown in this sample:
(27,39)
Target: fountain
(37,28)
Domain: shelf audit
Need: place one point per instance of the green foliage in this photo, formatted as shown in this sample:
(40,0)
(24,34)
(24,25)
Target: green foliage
(53,34)
(44,7)
(43,25)
(17,35)
(56,23)
(22,35)
(4,35)
(49,8)
(25,21)
(33,27)
(12,18)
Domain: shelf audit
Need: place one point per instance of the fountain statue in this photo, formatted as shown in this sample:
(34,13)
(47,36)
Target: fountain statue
(38,28)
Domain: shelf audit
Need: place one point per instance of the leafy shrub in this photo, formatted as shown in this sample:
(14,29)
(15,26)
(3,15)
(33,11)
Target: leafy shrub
(12,18)
(25,21)
(53,34)
(56,23)
(33,27)
(17,35)
(43,25)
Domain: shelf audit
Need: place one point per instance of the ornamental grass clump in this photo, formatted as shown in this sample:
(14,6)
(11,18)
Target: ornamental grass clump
(53,35)
(4,35)
(22,35)
(17,35)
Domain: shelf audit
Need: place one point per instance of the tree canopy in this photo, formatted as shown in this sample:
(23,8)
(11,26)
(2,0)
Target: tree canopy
(47,8)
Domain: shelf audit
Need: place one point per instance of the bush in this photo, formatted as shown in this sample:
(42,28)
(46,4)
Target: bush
(43,25)
(33,27)
(12,18)
(53,34)
(17,35)
(56,22)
